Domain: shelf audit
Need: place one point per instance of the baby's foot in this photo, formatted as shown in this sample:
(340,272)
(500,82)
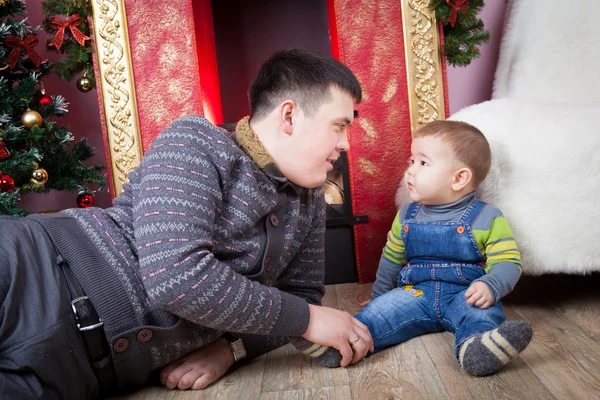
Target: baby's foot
(486,353)
(325,355)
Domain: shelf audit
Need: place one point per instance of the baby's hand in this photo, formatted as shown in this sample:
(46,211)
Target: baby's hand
(363,304)
(480,295)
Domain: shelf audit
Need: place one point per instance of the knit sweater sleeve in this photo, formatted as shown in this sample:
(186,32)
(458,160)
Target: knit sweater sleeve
(304,277)
(497,243)
(175,205)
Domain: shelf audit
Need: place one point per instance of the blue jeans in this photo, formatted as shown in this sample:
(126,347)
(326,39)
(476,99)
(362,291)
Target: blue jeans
(429,306)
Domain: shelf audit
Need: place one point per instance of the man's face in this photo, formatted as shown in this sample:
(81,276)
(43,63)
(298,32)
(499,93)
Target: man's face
(316,141)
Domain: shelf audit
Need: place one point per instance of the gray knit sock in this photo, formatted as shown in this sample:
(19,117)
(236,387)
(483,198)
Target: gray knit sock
(486,353)
(326,356)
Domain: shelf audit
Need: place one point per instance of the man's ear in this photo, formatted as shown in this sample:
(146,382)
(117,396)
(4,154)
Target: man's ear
(287,115)
(462,177)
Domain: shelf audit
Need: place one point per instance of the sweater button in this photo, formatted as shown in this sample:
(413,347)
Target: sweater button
(144,335)
(121,345)
(268,264)
(274,220)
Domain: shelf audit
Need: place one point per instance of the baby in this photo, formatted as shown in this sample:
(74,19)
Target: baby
(452,256)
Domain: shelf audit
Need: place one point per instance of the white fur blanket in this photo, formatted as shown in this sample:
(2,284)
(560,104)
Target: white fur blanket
(545,178)
(550,51)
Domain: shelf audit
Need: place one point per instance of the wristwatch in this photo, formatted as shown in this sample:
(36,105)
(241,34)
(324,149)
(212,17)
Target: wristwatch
(236,346)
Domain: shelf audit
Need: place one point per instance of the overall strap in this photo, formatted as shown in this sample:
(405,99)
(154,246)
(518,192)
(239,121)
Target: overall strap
(472,211)
(412,210)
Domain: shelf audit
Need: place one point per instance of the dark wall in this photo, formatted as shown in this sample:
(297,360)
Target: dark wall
(248,32)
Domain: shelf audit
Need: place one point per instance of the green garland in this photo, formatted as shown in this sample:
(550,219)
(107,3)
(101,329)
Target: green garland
(461,41)
(77,58)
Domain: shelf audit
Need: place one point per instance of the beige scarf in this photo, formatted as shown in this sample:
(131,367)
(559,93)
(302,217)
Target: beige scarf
(247,139)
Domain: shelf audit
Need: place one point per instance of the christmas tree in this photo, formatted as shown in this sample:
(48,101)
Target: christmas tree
(36,153)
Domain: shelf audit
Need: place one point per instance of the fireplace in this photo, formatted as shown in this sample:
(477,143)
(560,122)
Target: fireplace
(340,257)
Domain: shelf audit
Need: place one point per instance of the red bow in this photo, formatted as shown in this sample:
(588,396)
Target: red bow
(457,5)
(28,44)
(60,25)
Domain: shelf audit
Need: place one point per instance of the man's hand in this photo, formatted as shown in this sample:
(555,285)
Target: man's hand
(200,368)
(340,330)
(479,294)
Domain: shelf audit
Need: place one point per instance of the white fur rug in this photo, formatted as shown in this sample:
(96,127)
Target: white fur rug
(545,178)
(550,51)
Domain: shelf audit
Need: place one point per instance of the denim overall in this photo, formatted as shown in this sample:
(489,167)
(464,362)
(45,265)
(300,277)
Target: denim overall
(443,259)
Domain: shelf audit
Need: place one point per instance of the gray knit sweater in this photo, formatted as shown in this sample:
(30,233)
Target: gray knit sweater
(209,231)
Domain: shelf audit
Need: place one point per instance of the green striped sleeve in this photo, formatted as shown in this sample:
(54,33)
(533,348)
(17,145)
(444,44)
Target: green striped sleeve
(394,248)
(498,244)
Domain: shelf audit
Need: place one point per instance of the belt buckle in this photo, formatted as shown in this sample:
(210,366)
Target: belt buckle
(78,319)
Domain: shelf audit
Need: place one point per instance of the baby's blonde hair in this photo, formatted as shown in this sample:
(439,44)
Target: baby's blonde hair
(467,142)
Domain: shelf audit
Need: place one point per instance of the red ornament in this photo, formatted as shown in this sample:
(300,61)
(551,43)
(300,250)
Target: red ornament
(72,23)
(4,153)
(45,100)
(85,200)
(457,5)
(17,44)
(7,184)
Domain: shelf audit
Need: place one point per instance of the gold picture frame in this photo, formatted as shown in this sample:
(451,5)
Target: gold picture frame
(423,53)
(117,89)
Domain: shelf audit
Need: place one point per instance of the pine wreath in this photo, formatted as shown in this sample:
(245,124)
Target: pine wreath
(463,30)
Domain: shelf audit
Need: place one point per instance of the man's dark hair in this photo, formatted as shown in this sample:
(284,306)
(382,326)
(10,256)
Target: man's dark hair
(302,76)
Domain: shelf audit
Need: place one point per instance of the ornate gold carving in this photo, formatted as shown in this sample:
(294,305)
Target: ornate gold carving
(117,88)
(423,63)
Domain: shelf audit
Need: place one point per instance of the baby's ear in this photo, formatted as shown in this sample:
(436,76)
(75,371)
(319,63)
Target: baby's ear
(462,178)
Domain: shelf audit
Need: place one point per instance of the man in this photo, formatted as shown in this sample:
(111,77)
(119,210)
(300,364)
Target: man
(213,252)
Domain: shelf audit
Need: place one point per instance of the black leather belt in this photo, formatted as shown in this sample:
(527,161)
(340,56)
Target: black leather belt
(91,328)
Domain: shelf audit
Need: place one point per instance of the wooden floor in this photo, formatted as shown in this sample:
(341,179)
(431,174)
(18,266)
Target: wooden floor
(561,362)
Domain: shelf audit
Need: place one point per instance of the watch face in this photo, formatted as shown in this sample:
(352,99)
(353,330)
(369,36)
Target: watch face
(238,349)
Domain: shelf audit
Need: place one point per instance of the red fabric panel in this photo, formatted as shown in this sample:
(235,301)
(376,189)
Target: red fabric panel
(165,63)
(371,44)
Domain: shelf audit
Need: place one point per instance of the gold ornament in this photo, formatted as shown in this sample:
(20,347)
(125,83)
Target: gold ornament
(31,118)
(84,84)
(39,176)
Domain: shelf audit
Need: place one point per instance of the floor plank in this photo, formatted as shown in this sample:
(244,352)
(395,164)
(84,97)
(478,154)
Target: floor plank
(327,393)
(244,382)
(404,371)
(150,392)
(288,369)
(563,357)
(350,295)
(330,299)
(561,362)
(509,383)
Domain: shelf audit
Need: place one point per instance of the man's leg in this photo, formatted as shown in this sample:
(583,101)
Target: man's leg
(42,354)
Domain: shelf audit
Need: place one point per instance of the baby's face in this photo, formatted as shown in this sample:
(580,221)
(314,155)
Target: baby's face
(431,171)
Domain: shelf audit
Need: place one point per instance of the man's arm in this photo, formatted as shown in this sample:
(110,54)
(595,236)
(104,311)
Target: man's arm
(175,207)
(303,277)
